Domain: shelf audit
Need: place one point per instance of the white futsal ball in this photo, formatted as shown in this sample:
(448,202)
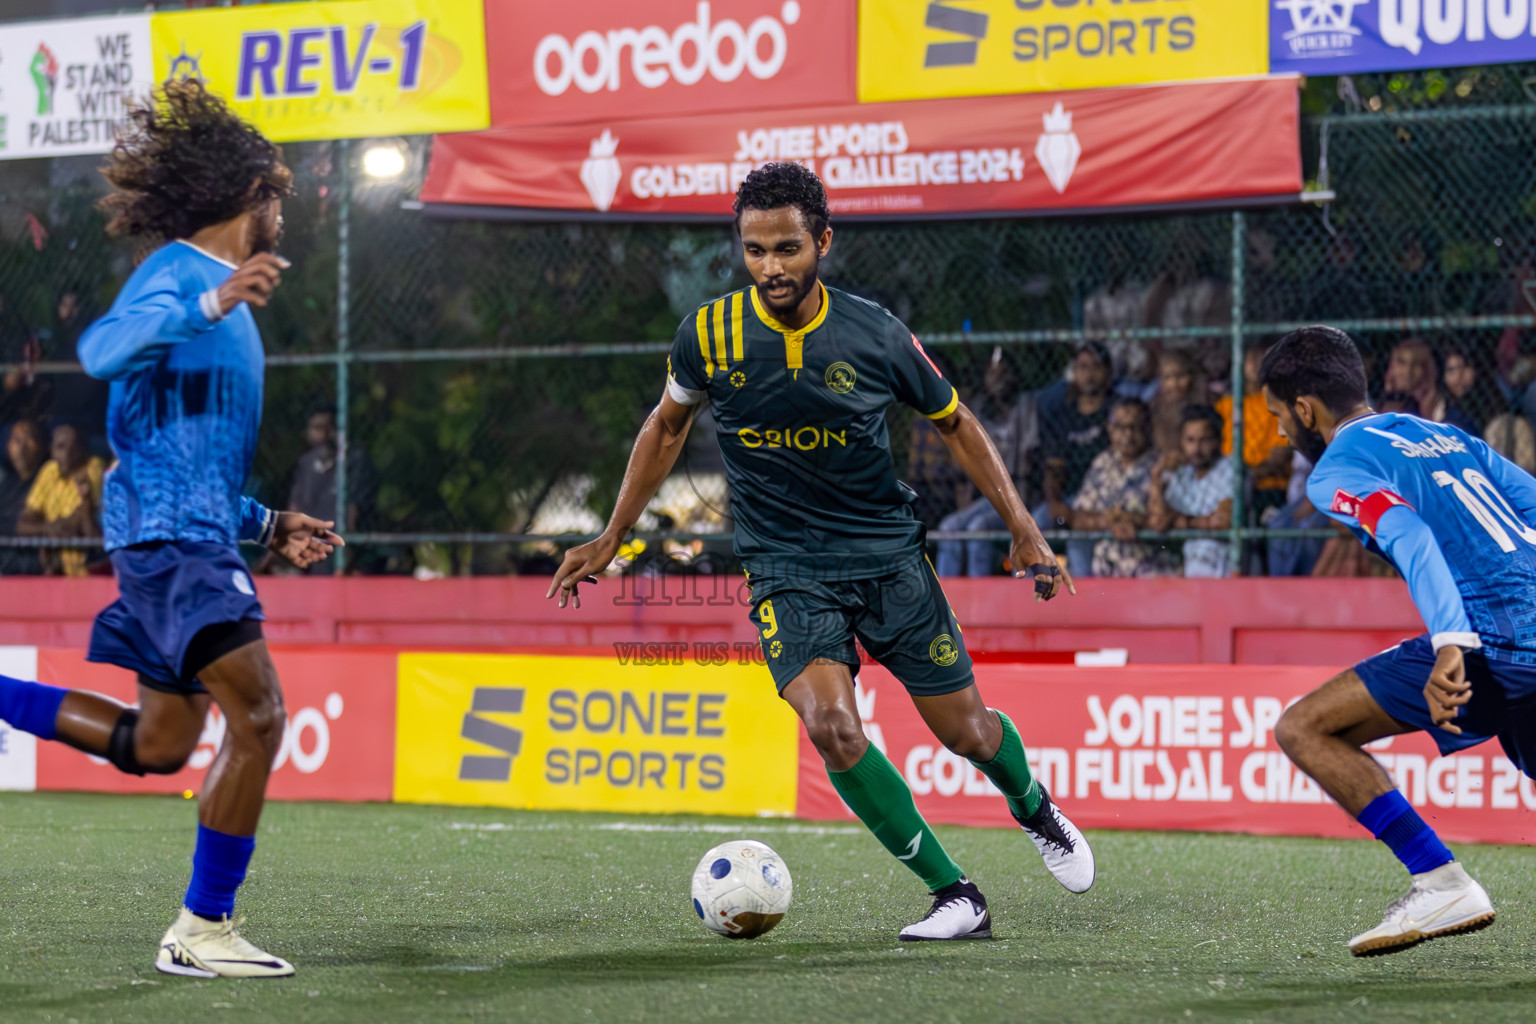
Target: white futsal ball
(741,889)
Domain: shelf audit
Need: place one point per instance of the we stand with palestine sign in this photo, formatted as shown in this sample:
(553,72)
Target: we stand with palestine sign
(64,85)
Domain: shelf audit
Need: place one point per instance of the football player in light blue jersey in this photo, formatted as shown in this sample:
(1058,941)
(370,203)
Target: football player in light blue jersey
(1458,521)
(186,364)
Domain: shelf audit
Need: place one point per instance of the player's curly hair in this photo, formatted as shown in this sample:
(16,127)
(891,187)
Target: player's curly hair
(776,185)
(185,162)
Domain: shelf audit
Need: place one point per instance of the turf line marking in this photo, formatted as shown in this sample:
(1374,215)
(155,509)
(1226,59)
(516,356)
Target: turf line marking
(640,826)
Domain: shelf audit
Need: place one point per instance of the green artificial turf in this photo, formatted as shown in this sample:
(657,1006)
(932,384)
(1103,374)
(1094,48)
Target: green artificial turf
(395,913)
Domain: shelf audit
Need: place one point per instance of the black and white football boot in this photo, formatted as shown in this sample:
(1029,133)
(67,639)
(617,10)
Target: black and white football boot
(1063,847)
(959,912)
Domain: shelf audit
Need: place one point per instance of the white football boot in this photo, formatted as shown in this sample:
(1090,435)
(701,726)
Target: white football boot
(959,912)
(1445,901)
(199,948)
(1063,847)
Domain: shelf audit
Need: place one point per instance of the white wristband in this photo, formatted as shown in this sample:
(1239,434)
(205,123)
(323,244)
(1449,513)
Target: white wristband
(211,307)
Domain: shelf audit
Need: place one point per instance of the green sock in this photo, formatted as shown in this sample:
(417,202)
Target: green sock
(880,797)
(1009,770)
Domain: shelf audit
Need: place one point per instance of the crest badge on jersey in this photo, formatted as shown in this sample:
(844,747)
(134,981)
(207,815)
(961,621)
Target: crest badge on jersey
(841,378)
(1345,504)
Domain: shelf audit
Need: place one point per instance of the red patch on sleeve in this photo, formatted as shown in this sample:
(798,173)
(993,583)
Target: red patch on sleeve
(1375,506)
(925,356)
(1345,504)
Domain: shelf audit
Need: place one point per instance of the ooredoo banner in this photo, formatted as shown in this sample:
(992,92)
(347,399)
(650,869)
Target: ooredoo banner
(65,85)
(338,743)
(1113,147)
(926,49)
(606,59)
(1348,36)
(593,734)
(336,70)
(1171,747)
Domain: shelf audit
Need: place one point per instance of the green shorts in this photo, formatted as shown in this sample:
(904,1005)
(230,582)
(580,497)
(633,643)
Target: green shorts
(903,620)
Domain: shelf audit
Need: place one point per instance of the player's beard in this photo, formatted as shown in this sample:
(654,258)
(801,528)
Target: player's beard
(267,239)
(1307,441)
(799,289)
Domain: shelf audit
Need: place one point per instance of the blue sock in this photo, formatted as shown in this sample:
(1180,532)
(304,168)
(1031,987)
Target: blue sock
(30,707)
(1394,821)
(218,868)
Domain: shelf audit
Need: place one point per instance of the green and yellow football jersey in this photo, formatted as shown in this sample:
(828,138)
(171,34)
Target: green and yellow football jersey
(800,416)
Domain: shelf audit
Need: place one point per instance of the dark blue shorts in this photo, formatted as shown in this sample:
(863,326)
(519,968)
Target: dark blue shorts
(169,592)
(1503,700)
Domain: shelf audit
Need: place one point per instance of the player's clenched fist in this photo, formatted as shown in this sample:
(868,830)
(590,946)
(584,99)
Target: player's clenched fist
(253,282)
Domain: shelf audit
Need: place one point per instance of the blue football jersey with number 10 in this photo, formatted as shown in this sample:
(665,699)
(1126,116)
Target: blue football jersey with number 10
(1455,518)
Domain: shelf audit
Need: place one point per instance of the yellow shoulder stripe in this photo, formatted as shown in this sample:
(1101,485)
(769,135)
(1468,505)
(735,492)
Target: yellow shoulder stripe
(719,310)
(701,324)
(954,403)
(736,341)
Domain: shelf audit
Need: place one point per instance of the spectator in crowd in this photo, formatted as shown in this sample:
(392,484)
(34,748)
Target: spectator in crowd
(1411,370)
(1180,385)
(1194,492)
(1265,452)
(24,453)
(77,398)
(1472,390)
(940,483)
(1073,432)
(1116,495)
(314,479)
(1010,419)
(65,501)
(1512,437)
(1296,556)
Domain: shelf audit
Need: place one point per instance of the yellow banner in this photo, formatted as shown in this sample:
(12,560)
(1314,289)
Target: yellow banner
(336,70)
(593,734)
(926,49)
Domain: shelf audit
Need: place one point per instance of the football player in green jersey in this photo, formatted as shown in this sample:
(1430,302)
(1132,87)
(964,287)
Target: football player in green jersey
(799,377)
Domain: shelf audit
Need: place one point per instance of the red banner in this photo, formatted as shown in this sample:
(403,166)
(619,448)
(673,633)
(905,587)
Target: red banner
(1147,146)
(554,63)
(1170,747)
(339,743)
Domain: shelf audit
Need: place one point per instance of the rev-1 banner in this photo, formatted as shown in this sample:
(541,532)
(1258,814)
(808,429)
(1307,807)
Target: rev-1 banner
(1188,747)
(1146,146)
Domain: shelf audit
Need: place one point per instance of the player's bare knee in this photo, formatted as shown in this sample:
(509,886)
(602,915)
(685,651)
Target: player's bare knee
(837,736)
(163,754)
(1295,729)
(261,722)
(970,742)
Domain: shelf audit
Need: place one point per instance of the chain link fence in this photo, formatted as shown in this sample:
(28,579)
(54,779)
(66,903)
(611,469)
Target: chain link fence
(488,378)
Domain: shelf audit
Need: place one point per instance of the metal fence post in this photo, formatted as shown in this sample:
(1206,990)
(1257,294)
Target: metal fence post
(1239,470)
(343,337)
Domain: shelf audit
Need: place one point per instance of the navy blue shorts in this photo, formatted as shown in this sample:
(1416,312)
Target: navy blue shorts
(1503,700)
(169,592)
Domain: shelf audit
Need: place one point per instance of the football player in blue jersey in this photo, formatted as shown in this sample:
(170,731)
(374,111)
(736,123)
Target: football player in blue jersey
(1458,521)
(203,190)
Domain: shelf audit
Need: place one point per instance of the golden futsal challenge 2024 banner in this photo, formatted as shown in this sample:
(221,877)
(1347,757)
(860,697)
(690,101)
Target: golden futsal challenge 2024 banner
(336,70)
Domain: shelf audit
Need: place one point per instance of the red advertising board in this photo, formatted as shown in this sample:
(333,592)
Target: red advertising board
(599,60)
(1144,146)
(339,744)
(1171,748)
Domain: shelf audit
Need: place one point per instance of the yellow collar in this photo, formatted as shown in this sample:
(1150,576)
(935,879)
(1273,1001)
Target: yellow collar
(768,319)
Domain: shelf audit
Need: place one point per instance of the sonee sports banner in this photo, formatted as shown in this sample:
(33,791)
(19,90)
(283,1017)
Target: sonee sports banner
(1142,147)
(336,70)
(927,49)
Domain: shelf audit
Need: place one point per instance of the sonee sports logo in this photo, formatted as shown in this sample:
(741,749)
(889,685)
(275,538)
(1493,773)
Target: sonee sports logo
(960,22)
(491,700)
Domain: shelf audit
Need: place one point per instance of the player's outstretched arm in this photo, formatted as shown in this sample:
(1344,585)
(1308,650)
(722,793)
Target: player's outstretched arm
(142,326)
(655,453)
(973,449)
